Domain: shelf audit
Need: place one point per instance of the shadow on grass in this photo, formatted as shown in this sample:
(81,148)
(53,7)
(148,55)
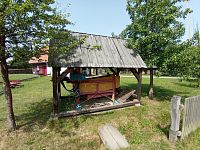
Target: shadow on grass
(189,85)
(37,114)
(160,93)
(37,117)
(165,129)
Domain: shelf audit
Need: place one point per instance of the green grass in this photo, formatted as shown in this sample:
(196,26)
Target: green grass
(145,127)
(18,76)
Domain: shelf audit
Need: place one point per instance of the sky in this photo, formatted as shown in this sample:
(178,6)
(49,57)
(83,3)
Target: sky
(104,17)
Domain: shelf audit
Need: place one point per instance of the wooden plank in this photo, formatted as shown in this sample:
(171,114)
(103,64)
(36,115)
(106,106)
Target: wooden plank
(94,110)
(104,49)
(107,138)
(175,118)
(118,61)
(185,120)
(191,119)
(123,98)
(112,138)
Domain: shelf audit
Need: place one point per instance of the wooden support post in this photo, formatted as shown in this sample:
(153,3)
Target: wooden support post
(113,88)
(90,72)
(118,70)
(96,71)
(150,93)
(139,88)
(175,118)
(55,91)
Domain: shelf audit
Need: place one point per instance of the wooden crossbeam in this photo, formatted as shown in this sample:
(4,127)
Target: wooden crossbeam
(135,73)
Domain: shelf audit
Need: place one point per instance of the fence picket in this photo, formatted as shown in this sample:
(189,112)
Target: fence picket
(191,116)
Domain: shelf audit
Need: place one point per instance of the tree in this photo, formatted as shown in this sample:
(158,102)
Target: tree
(188,63)
(20,59)
(196,37)
(155,30)
(27,25)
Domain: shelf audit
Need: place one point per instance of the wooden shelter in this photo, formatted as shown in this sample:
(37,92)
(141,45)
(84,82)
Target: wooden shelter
(96,52)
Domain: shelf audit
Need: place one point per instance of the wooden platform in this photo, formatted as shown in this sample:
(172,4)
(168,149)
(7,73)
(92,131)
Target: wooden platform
(112,138)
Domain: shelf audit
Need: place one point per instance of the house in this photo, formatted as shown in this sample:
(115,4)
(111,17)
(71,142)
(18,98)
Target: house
(40,65)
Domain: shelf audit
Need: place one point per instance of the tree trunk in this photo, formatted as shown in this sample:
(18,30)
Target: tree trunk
(6,86)
(55,92)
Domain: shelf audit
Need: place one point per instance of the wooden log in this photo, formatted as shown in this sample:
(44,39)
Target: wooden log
(94,110)
(175,118)
(112,138)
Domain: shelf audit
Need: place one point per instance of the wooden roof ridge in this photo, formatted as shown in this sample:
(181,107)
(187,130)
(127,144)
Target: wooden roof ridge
(96,35)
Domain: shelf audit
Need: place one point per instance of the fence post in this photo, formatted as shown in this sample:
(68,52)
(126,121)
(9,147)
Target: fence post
(175,118)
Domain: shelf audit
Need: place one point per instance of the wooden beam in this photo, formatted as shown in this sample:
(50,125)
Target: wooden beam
(150,92)
(139,88)
(63,74)
(113,71)
(55,91)
(96,71)
(135,73)
(118,70)
(94,110)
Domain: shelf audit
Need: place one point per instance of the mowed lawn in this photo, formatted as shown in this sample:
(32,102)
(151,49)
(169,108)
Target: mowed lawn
(144,127)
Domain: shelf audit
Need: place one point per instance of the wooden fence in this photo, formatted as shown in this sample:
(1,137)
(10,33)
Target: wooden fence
(191,117)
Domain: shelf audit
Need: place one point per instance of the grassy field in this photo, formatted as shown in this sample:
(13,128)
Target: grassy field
(145,127)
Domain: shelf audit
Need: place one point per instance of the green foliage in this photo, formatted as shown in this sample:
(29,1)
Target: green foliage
(28,25)
(185,62)
(196,37)
(62,42)
(155,30)
(189,63)
(20,58)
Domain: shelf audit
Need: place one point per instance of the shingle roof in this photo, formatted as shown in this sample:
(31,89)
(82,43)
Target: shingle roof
(42,59)
(111,52)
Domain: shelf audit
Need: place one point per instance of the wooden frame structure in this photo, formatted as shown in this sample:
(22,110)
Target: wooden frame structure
(57,78)
(112,54)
